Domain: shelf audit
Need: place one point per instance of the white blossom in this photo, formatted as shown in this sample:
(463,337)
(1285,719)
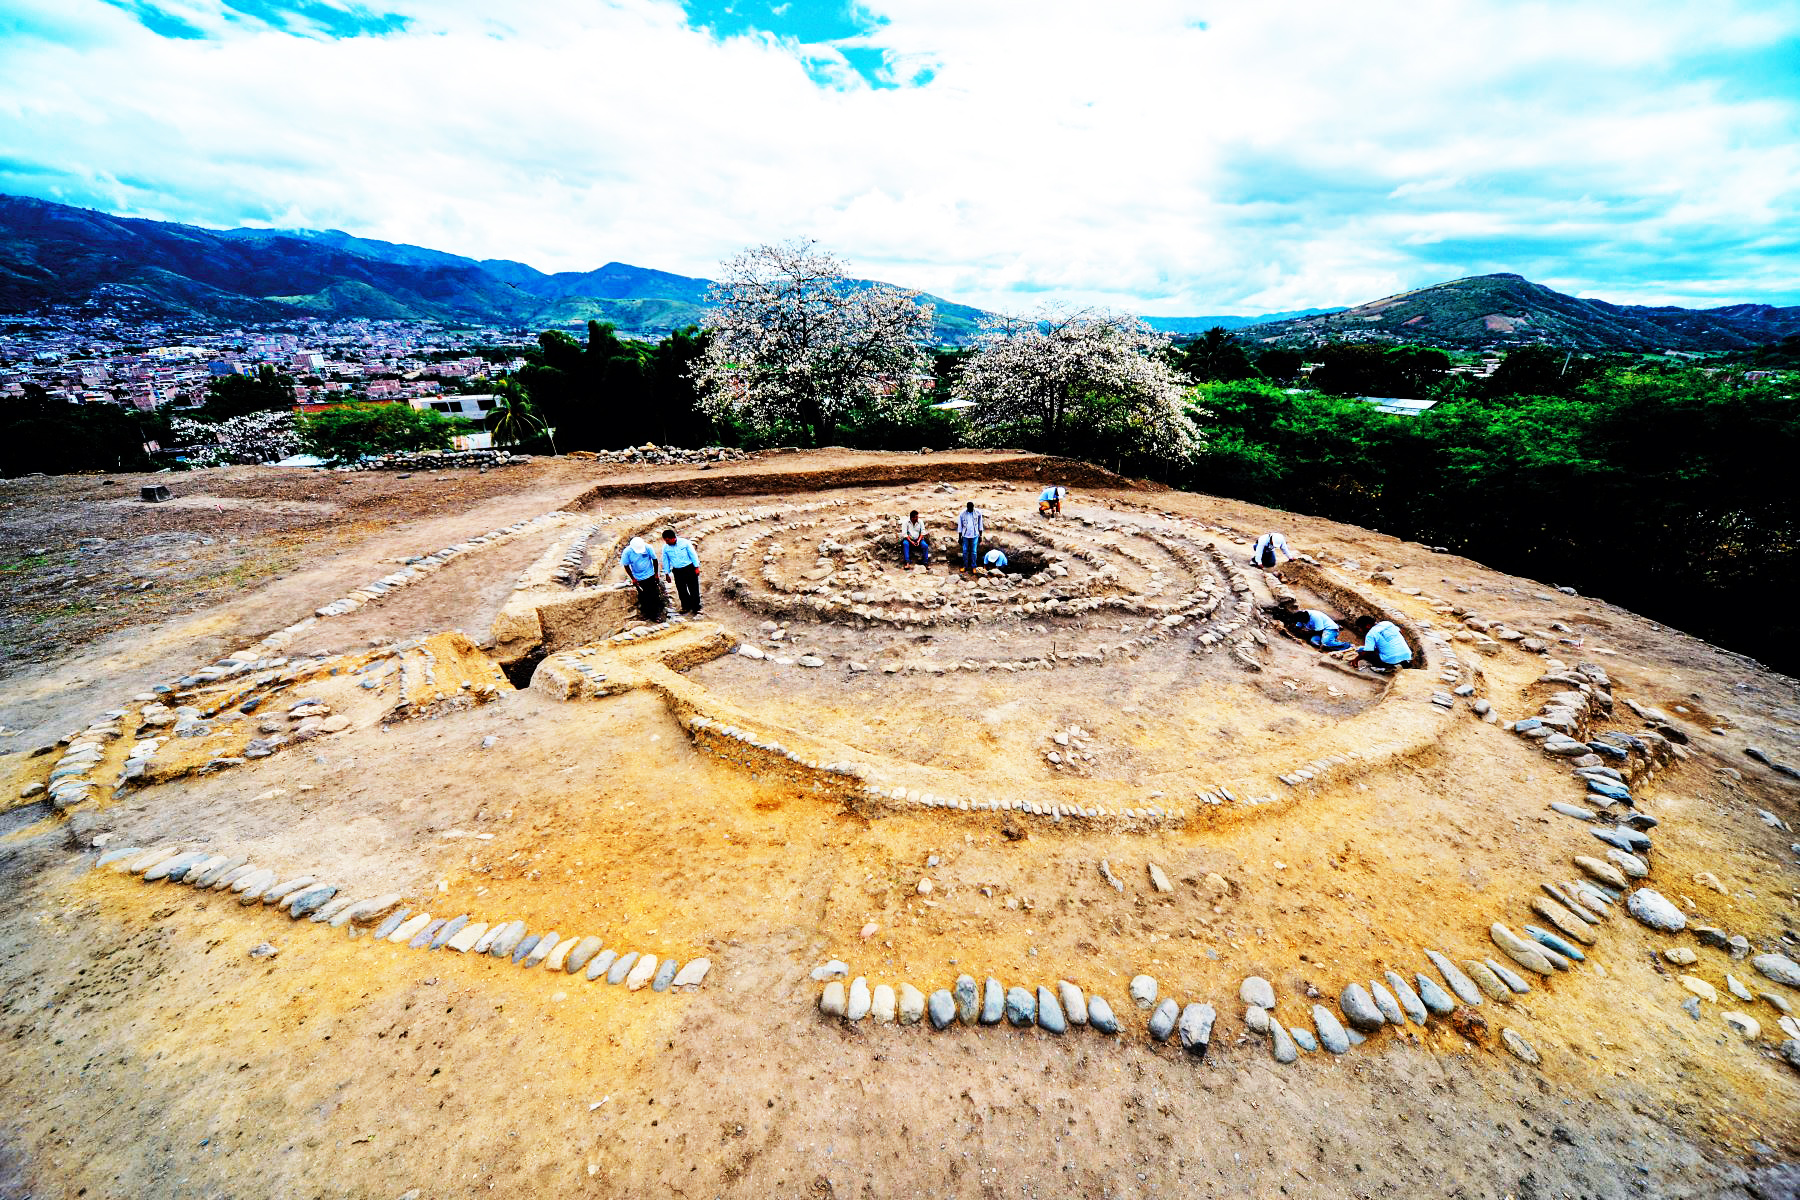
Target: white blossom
(796,342)
(256,437)
(1071,380)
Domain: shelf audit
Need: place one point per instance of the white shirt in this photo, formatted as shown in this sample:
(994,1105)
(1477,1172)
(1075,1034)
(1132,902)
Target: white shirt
(912,531)
(1270,539)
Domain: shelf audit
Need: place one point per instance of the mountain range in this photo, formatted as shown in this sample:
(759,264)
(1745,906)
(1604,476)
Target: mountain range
(1496,311)
(55,254)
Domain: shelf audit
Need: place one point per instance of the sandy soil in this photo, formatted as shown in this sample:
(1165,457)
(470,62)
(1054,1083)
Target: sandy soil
(147,1054)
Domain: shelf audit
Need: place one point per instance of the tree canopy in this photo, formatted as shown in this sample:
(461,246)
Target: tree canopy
(796,344)
(346,435)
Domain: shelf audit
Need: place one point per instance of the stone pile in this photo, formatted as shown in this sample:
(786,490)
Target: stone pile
(437,460)
(655,455)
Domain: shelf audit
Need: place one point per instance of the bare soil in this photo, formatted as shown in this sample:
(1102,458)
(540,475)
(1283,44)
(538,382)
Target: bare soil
(143,1052)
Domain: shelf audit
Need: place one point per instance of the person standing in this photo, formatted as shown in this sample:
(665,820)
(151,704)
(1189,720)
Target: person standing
(968,528)
(1263,553)
(682,566)
(640,564)
(913,540)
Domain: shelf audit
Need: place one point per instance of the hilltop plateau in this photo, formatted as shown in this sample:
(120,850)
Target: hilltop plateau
(1079,878)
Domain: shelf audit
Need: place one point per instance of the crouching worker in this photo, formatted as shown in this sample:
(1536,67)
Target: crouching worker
(1318,629)
(1050,501)
(913,540)
(994,560)
(640,564)
(1384,647)
(1267,547)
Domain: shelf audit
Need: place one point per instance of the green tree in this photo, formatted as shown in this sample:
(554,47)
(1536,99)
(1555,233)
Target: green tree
(234,395)
(346,435)
(512,419)
(1214,357)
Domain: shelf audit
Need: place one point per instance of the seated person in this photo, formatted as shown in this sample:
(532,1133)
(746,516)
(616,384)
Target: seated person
(994,560)
(1050,501)
(1318,629)
(1384,647)
(913,540)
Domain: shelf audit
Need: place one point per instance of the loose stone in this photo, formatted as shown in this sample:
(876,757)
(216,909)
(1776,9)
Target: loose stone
(1143,992)
(1549,941)
(665,975)
(1100,1016)
(831,970)
(526,947)
(1021,1007)
(1520,1048)
(1162,1021)
(466,938)
(1050,1012)
(1304,1038)
(601,964)
(1778,967)
(1602,871)
(1196,1028)
(451,929)
(425,935)
(1256,1018)
(407,930)
(393,922)
(310,901)
(912,1004)
(882,1005)
(542,950)
(1508,976)
(1746,1025)
(695,971)
(1390,1007)
(1331,1034)
(559,957)
(858,1005)
(1653,909)
(1359,1009)
(507,940)
(1258,991)
(1700,988)
(1560,917)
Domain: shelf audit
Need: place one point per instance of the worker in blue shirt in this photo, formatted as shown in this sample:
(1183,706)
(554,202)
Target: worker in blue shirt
(1050,501)
(682,566)
(1384,646)
(1319,629)
(640,564)
(994,560)
(968,528)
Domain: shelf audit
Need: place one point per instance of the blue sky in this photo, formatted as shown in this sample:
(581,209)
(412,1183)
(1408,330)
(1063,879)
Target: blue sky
(1164,157)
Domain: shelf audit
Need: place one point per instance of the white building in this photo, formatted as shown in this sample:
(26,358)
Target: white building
(475,407)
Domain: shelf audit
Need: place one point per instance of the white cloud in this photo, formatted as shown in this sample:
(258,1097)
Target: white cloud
(1171,156)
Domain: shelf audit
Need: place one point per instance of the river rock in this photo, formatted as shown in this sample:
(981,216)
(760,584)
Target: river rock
(1074,1004)
(1390,1007)
(1519,950)
(1630,865)
(1021,1007)
(1778,967)
(425,935)
(1461,984)
(1700,988)
(408,929)
(451,929)
(645,971)
(857,1006)
(1549,941)
(507,940)
(665,975)
(1331,1034)
(1747,1026)
(1511,978)
(1162,1021)
(1519,1047)
(1100,1016)
(968,1000)
(601,964)
(1654,910)
(1560,917)
(883,1004)
(1409,999)
(832,1000)
(835,969)
(1486,980)
(1359,1009)
(622,966)
(1304,1038)
(1050,1017)
(1605,872)
(467,937)
(1143,992)
(550,941)
(1283,1045)
(1433,996)
(392,923)
(582,954)
(993,1001)
(310,901)
(1196,1028)
(912,1004)
(693,974)
(1258,991)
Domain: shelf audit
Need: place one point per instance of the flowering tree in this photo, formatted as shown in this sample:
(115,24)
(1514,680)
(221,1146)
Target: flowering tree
(1089,379)
(254,437)
(795,342)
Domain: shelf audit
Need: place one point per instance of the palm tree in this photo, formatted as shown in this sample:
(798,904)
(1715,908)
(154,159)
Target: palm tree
(512,419)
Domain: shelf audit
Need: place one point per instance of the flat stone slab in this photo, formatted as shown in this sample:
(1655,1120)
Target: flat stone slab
(465,938)
(1652,908)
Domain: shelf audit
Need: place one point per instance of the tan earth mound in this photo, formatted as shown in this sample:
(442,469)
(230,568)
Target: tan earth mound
(417,863)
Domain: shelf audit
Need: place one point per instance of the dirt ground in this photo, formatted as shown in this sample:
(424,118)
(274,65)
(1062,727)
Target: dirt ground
(146,1053)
